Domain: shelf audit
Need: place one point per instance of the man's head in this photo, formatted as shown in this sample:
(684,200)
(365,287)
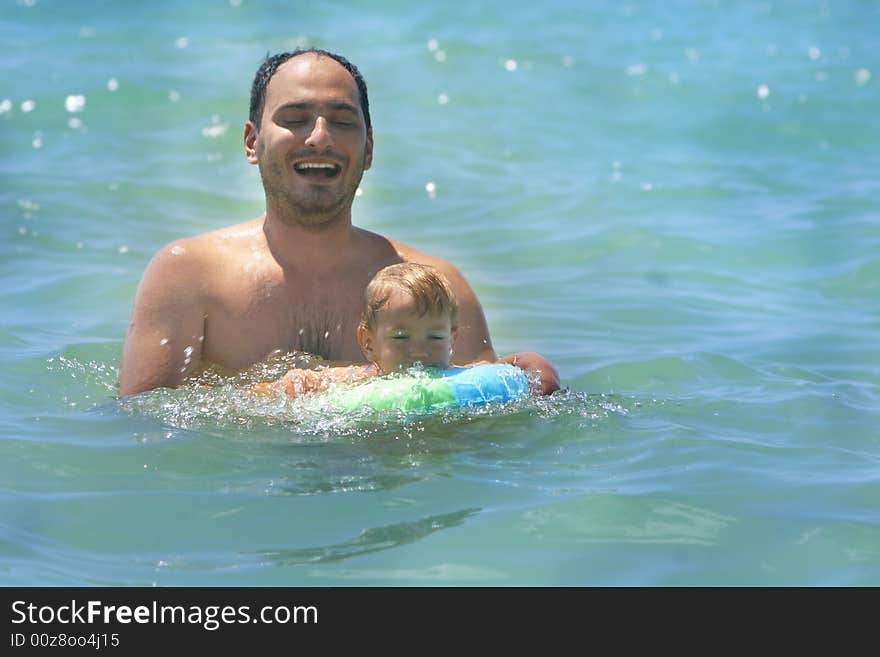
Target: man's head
(310,136)
(270,66)
(411,316)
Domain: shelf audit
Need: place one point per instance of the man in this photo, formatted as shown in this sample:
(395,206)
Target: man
(292,279)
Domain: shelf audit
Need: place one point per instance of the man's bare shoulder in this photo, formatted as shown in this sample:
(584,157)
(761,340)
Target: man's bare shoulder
(204,253)
(408,253)
(216,244)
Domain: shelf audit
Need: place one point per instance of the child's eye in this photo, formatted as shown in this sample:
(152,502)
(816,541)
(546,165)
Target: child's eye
(399,337)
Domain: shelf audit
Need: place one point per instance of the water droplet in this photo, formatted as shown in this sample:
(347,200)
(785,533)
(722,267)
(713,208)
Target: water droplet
(177,250)
(163,341)
(123,249)
(214,130)
(647,187)
(440,56)
(814,53)
(188,352)
(568,61)
(75,123)
(763,91)
(182,42)
(75,103)
(358,192)
(443,99)
(28,106)
(433,45)
(863,75)
(431,188)
(636,69)
(5,106)
(112,84)
(38,140)
(173,96)
(510,65)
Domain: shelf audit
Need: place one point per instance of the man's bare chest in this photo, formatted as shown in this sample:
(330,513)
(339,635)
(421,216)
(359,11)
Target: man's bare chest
(250,319)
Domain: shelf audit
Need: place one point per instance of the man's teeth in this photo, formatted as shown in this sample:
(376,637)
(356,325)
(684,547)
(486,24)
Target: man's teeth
(315,165)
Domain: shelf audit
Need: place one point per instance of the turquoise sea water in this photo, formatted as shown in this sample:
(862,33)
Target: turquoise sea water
(676,203)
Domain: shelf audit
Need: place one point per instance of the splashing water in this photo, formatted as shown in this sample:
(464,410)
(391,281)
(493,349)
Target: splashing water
(215,400)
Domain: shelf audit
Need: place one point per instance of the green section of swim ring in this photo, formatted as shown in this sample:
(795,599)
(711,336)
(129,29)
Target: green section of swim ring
(407,393)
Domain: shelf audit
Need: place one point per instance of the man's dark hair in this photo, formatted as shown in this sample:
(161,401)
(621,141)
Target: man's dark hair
(270,66)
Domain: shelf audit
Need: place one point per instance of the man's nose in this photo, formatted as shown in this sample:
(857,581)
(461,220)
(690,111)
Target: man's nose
(320,137)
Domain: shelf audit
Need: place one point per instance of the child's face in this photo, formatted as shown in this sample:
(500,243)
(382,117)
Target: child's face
(401,338)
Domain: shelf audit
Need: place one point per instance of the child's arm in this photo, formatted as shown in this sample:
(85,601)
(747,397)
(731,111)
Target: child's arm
(300,381)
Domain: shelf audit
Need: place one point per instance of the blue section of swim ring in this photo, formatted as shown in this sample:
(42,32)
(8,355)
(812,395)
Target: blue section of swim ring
(491,382)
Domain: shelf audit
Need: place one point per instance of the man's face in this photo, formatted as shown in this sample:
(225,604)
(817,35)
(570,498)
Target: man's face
(403,338)
(312,145)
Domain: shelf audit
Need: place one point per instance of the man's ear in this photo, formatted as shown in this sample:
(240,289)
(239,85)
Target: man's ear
(250,142)
(368,150)
(365,340)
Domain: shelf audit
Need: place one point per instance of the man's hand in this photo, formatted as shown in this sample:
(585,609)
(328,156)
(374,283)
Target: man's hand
(534,362)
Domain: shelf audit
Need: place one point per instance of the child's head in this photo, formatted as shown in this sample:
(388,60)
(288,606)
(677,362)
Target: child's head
(411,316)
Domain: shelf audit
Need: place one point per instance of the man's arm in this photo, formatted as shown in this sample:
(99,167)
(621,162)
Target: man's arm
(473,343)
(167,328)
(533,362)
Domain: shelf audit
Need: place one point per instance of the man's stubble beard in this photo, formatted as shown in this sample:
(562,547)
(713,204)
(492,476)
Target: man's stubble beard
(313,212)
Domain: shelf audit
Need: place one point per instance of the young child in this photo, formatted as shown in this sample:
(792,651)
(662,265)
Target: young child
(411,317)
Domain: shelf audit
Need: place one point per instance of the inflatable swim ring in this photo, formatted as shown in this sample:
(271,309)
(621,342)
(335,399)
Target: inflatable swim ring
(437,389)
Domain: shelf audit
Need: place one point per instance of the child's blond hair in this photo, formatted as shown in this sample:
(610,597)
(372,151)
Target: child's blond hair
(430,289)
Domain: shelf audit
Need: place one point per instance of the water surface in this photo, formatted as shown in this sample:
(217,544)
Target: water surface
(676,204)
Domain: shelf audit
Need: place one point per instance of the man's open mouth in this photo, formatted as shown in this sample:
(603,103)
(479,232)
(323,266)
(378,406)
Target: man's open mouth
(317,169)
